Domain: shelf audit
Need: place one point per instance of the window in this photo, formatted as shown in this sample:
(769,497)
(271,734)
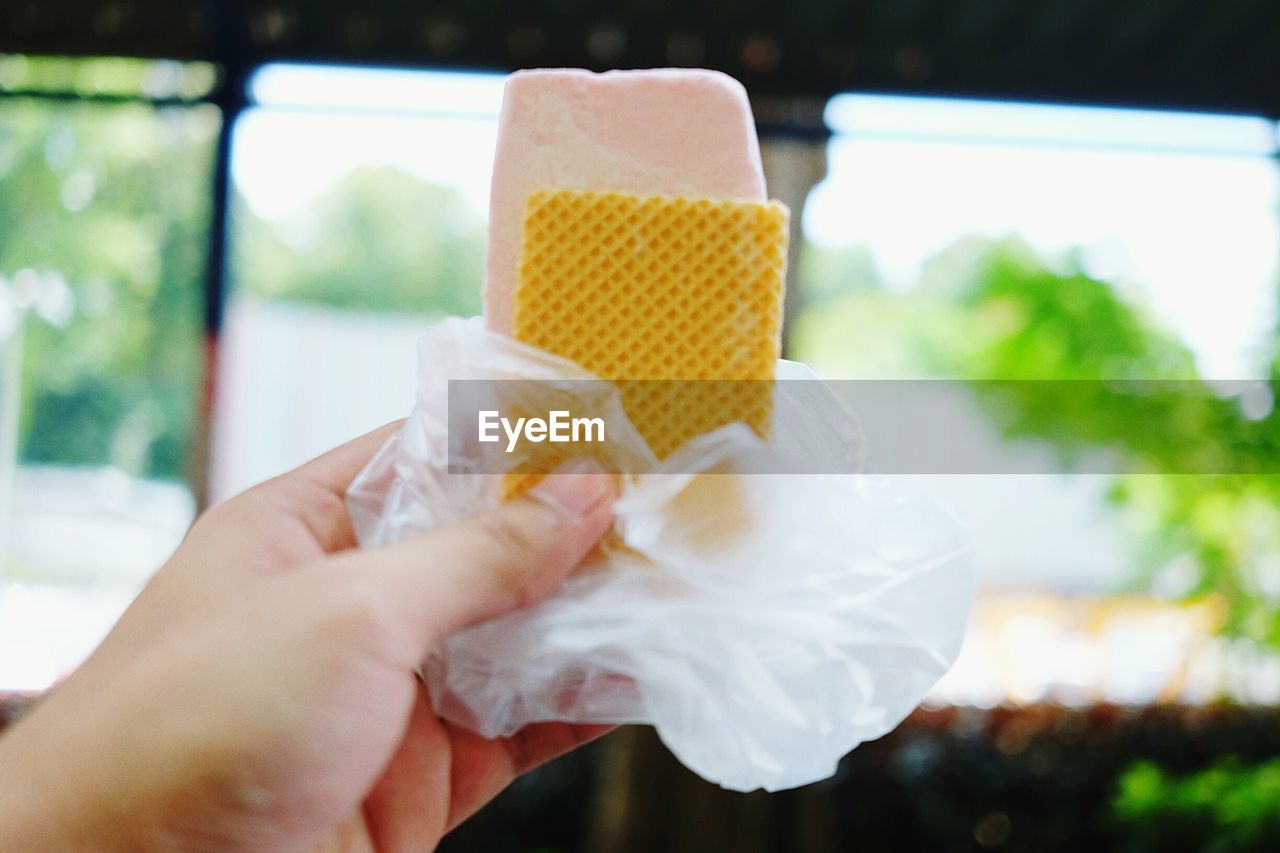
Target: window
(104,212)
(361,207)
(1177,211)
(358,213)
(943,227)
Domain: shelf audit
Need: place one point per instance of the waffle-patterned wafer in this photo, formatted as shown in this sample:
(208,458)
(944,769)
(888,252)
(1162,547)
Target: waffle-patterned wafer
(652,288)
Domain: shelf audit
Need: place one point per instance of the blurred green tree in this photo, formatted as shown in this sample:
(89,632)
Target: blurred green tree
(109,202)
(378,240)
(994,310)
(1218,512)
(1229,807)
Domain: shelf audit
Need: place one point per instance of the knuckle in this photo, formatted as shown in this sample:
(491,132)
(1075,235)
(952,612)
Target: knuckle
(325,512)
(513,548)
(518,750)
(353,610)
(323,504)
(320,510)
(510,538)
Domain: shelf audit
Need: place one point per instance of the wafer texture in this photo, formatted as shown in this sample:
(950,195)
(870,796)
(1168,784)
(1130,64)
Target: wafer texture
(656,288)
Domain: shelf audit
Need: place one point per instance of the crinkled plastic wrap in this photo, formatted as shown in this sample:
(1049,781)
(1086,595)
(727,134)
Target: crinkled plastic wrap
(764,636)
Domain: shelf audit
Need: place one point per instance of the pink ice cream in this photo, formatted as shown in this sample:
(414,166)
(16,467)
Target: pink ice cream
(661,132)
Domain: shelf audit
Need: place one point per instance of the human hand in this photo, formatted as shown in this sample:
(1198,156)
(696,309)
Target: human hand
(260,693)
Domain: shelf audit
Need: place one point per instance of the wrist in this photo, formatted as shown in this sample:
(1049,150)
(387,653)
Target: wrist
(29,812)
(53,796)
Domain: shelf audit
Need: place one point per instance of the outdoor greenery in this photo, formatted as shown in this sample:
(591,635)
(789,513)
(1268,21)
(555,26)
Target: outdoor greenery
(989,310)
(104,217)
(377,240)
(104,212)
(1203,498)
(1228,808)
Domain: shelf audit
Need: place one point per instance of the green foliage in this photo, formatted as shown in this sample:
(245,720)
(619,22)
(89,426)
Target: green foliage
(378,240)
(982,310)
(111,76)
(112,200)
(1041,324)
(1221,504)
(1102,376)
(1226,808)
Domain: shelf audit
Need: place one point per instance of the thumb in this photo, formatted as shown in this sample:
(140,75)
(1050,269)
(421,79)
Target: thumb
(497,561)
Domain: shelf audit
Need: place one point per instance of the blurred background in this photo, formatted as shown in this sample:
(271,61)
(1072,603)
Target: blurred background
(224,224)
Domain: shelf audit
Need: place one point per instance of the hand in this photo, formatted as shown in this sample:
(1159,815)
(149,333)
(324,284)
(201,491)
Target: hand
(260,693)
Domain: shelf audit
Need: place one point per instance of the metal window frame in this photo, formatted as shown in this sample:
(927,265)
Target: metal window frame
(230,96)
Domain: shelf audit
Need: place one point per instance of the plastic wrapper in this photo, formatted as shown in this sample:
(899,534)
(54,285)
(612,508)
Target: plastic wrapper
(764,637)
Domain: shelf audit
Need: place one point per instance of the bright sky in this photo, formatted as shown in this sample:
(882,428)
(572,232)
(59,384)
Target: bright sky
(318,123)
(1184,207)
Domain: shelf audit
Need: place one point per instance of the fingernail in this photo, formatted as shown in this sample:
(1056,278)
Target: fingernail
(575,489)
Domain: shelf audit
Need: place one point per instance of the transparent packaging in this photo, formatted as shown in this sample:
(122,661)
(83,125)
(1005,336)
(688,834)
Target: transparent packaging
(764,624)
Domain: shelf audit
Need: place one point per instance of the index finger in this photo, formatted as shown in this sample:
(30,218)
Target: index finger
(334,470)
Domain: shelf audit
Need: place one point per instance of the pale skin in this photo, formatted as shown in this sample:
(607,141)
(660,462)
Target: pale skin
(261,692)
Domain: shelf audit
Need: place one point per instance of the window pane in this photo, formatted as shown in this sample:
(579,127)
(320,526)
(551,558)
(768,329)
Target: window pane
(965,239)
(356,225)
(1177,211)
(103,231)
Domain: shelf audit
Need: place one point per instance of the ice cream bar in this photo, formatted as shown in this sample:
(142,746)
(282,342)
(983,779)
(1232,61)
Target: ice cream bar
(662,132)
(630,232)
